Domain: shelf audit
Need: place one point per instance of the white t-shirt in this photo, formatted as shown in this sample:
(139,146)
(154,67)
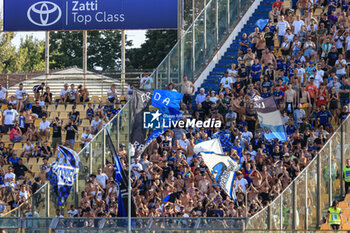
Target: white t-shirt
(28,147)
(299,114)
(347,43)
(226,81)
(102,179)
(232,73)
(147,82)
(214,99)
(41,103)
(9,176)
(247,135)
(301,73)
(3,93)
(184,143)
(73,212)
(64,92)
(19,93)
(309,27)
(9,116)
(86,136)
(297,26)
(339,42)
(44,125)
(95,123)
(319,78)
(282,27)
(243,182)
(111,94)
(340,71)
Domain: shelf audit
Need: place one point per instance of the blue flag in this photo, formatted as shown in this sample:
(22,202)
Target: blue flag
(270,119)
(261,23)
(166,99)
(225,139)
(63,172)
(118,169)
(121,209)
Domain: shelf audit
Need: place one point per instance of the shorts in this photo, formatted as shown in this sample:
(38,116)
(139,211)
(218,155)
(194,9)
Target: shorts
(56,142)
(335,226)
(334,104)
(187,99)
(82,99)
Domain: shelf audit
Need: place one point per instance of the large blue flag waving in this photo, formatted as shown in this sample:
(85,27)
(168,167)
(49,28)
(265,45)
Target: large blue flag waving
(63,172)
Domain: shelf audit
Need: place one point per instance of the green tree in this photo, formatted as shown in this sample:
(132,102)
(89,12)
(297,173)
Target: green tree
(157,45)
(103,49)
(32,52)
(9,62)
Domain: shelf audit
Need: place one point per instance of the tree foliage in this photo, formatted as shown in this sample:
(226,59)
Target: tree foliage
(32,52)
(103,50)
(157,45)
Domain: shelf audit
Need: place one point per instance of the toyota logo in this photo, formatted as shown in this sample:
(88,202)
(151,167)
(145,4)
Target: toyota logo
(44,13)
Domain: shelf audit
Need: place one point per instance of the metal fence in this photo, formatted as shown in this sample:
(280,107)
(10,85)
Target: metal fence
(120,224)
(200,41)
(92,156)
(303,204)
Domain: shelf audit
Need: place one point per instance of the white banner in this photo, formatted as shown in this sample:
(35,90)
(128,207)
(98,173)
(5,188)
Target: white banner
(222,166)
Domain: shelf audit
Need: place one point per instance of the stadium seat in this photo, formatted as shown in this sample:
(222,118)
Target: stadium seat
(95,99)
(61,108)
(51,108)
(104,99)
(80,108)
(53,115)
(69,107)
(85,123)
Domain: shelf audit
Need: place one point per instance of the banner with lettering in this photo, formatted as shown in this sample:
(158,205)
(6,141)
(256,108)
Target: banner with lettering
(151,113)
(63,172)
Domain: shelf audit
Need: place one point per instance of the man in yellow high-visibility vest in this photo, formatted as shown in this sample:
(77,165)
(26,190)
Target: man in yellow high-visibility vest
(334,216)
(346,171)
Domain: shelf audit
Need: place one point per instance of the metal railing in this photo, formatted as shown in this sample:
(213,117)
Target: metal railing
(120,224)
(92,156)
(201,40)
(303,204)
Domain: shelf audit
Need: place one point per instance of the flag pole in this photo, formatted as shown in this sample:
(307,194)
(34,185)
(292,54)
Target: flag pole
(129,181)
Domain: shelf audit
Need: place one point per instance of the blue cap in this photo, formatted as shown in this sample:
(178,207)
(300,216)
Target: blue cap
(311,62)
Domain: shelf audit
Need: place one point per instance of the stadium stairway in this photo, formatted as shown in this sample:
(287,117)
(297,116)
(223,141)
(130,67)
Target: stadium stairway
(231,54)
(345,208)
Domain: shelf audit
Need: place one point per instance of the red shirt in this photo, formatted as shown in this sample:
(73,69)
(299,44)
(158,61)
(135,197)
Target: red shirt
(312,89)
(279,5)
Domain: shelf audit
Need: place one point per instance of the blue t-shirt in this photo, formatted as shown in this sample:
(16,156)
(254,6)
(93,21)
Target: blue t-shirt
(279,65)
(115,111)
(324,116)
(89,112)
(243,48)
(13,161)
(278,94)
(290,129)
(265,95)
(267,84)
(238,149)
(256,68)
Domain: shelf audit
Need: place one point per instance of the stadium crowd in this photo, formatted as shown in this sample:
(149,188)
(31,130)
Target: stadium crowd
(299,59)
(32,125)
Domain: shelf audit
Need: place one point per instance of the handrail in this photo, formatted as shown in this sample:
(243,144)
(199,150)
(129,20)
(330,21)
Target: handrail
(302,173)
(25,202)
(79,153)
